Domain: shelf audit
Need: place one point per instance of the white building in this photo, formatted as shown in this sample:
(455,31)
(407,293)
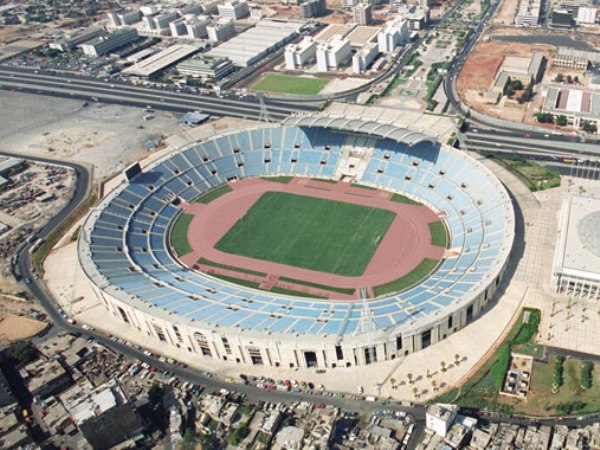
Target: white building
(123,18)
(234,10)
(255,43)
(394,34)
(333,54)
(365,57)
(586,15)
(70,42)
(197,27)
(349,3)
(178,28)
(363,14)
(206,67)
(160,21)
(528,13)
(439,418)
(221,31)
(106,44)
(298,55)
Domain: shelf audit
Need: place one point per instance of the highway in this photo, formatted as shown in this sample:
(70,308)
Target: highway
(93,89)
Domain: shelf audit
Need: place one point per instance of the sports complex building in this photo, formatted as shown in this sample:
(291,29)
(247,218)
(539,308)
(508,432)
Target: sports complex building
(319,242)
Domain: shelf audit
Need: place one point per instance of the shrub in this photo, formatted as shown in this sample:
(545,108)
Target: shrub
(500,367)
(586,374)
(528,330)
(557,375)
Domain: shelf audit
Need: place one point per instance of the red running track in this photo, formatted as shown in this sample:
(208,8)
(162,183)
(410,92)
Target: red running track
(404,246)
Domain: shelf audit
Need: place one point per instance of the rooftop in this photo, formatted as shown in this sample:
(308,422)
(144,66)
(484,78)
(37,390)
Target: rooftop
(578,252)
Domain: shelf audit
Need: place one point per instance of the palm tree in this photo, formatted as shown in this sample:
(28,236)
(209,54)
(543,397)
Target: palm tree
(393,383)
(434,385)
(410,377)
(443,366)
(457,359)
(415,390)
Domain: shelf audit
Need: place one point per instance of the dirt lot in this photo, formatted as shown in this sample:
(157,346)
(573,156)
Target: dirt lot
(506,12)
(480,70)
(14,328)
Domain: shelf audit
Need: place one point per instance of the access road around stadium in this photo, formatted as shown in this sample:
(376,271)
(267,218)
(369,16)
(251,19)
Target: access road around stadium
(38,289)
(71,86)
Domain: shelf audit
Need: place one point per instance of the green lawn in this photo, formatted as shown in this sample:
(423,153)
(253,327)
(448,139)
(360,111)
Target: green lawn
(348,291)
(283,291)
(404,199)
(282,179)
(535,176)
(290,85)
(571,399)
(325,180)
(438,234)
(208,262)
(408,280)
(251,284)
(179,240)
(214,194)
(308,232)
(364,186)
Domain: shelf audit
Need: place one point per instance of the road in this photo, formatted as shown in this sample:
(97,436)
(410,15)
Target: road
(94,89)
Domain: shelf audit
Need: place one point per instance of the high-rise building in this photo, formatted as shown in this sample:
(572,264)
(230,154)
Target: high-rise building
(221,31)
(364,57)
(313,8)
(333,54)
(106,44)
(363,14)
(298,55)
(395,33)
(196,27)
(234,10)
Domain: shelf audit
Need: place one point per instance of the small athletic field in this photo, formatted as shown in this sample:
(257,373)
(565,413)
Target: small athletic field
(290,85)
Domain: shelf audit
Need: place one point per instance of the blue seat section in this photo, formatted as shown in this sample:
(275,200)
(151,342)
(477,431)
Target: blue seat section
(129,246)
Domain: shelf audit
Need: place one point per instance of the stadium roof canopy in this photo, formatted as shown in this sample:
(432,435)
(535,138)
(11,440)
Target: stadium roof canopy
(378,129)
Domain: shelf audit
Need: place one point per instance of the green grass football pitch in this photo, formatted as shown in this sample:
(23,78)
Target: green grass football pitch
(308,232)
(290,85)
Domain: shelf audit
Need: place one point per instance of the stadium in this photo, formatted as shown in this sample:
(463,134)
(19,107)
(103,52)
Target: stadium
(319,242)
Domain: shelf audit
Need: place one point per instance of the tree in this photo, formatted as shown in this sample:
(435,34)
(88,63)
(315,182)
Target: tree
(559,78)
(22,352)
(415,391)
(189,439)
(443,366)
(393,383)
(569,79)
(561,120)
(434,385)
(410,377)
(457,359)
(527,95)
(588,126)
(576,79)
(155,393)
(237,435)
(544,117)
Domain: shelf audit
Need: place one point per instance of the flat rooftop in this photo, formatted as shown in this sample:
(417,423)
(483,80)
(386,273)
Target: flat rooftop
(578,252)
(161,60)
(362,35)
(333,30)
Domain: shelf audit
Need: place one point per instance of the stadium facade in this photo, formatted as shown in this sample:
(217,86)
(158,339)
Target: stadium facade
(124,247)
